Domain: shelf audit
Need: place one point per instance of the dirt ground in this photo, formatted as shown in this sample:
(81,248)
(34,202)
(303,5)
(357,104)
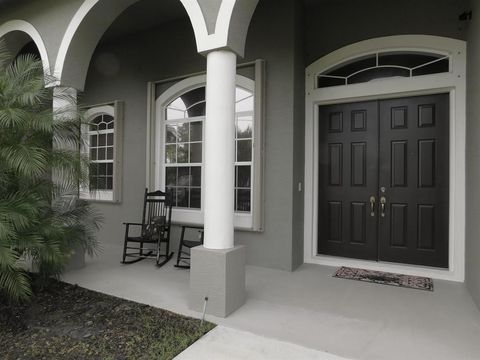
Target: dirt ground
(64,321)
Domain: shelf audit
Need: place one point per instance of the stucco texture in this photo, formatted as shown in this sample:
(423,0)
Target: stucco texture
(472,269)
(120,70)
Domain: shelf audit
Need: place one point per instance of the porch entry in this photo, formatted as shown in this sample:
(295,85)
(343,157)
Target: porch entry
(384,180)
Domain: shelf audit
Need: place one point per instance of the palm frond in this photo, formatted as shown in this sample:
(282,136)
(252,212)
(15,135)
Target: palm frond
(15,282)
(5,56)
(26,160)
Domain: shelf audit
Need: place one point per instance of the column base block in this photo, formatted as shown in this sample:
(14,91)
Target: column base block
(218,275)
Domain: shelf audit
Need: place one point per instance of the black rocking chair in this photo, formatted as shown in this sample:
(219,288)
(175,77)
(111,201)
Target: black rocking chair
(154,229)
(186,245)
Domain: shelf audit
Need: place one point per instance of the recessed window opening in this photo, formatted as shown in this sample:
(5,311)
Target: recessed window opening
(176,145)
(184,121)
(101,152)
(384,65)
(102,137)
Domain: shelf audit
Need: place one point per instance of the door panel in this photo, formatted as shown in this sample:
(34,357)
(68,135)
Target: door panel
(414,170)
(348,177)
(396,152)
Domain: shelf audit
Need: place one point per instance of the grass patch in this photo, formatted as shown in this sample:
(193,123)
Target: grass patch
(64,321)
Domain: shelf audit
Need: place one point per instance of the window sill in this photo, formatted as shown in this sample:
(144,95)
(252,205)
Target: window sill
(99,201)
(104,197)
(242,222)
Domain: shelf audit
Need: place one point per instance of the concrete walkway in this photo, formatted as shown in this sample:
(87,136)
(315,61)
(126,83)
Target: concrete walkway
(224,343)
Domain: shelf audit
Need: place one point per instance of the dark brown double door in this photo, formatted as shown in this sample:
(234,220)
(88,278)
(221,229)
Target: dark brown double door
(383,180)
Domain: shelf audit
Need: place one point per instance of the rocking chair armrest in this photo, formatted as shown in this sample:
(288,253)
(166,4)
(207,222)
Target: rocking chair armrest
(129,223)
(127,227)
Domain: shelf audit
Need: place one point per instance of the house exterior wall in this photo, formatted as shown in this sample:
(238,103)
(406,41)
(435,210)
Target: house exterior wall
(49,17)
(272,38)
(472,260)
(288,38)
(298,138)
(121,69)
(334,24)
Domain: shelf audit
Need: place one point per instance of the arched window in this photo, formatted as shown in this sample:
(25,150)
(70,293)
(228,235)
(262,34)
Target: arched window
(384,65)
(102,144)
(183,149)
(178,158)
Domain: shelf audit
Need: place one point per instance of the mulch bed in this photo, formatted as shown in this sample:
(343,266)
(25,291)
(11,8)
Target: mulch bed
(64,321)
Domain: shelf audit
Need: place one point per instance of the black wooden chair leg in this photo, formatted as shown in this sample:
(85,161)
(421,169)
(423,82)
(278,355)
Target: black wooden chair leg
(166,258)
(180,245)
(125,245)
(185,248)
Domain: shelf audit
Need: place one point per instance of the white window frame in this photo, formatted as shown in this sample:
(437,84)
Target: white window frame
(453,82)
(252,221)
(114,109)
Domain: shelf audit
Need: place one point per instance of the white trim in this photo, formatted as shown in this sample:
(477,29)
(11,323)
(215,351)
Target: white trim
(151,132)
(69,34)
(251,221)
(219,38)
(453,83)
(30,30)
(224,19)
(198,21)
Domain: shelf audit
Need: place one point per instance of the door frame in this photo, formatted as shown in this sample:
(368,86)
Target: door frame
(453,83)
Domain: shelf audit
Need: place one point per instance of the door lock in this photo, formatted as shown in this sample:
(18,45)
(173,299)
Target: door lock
(383,201)
(372,206)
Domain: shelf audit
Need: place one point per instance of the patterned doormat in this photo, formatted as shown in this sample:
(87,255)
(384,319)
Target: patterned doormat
(379,277)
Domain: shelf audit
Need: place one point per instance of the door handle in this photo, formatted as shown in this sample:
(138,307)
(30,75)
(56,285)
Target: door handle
(383,201)
(372,206)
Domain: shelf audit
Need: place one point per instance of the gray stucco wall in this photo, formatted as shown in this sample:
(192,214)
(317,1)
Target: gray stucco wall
(298,138)
(169,51)
(275,43)
(210,9)
(473,157)
(49,17)
(333,24)
(120,70)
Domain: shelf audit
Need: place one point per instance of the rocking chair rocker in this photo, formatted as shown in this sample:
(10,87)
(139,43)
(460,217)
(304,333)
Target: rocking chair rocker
(155,230)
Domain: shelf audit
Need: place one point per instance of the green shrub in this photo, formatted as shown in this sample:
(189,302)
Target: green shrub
(41,218)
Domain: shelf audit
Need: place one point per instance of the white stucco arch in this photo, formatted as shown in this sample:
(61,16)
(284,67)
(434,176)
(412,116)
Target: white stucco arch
(82,36)
(27,28)
(231,26)
(85,31)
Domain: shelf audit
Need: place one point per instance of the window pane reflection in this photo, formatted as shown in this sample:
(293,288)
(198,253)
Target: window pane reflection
(184,148)
(184,184)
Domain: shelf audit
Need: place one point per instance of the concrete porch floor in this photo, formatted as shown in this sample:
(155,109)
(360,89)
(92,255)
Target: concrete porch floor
(310,308)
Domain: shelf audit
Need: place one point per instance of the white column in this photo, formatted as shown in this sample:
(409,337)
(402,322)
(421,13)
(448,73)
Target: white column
(64,107)
(64,99)
(220,150)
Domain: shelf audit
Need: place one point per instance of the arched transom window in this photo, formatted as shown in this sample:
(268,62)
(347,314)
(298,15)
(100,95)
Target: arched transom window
(384,65)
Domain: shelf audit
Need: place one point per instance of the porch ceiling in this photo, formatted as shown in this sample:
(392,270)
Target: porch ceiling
(144,15)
